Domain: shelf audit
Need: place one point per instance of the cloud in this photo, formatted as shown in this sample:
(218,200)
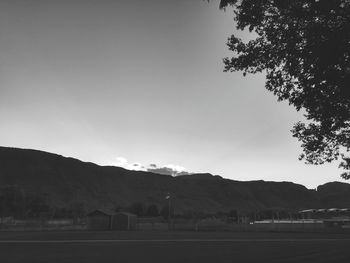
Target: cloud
(121,161)
(169,169)
(124,163)
(138,166)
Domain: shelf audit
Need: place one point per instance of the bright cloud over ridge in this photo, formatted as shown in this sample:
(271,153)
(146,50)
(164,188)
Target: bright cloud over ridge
(169,169)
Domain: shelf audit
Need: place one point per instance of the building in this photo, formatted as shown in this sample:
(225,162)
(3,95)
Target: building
(99,219)
(124,221)
(324,213)
(331,217)
(102,219)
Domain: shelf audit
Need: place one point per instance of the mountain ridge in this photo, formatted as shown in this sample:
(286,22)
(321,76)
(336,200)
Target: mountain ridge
(65,180)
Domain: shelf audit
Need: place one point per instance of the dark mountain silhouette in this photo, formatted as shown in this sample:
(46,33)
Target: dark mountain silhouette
(65,180)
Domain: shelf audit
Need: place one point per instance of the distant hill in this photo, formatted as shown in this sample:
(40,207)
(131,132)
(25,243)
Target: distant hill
(65,180)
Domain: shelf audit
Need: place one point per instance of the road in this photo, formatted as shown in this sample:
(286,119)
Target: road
(84,246)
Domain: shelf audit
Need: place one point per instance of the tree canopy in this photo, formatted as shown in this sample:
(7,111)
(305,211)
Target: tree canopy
(303,46)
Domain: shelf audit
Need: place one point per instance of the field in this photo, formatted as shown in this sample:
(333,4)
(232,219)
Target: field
(168,247)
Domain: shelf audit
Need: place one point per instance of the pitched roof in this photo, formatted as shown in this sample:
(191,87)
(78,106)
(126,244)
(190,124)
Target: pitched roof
(103,211)
(125,213)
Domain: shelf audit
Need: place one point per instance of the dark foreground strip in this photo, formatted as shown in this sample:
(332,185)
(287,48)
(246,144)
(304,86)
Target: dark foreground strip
(170,240)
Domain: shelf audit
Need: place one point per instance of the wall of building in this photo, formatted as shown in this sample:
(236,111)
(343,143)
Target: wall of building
(98,222)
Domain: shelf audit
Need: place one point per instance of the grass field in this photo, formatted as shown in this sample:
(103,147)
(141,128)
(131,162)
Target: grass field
(166,247)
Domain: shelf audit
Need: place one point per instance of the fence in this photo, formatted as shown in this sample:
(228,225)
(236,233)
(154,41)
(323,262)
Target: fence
(10,223)
(158,224)
(178,224)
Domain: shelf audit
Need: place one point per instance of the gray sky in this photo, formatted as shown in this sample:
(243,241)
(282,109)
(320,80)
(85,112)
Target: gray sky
(123,82)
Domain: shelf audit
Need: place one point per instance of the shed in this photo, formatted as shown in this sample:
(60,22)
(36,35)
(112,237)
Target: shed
(99,219)
(102,219)
(124,221)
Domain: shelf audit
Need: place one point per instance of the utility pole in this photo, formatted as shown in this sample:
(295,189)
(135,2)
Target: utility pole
(168,196)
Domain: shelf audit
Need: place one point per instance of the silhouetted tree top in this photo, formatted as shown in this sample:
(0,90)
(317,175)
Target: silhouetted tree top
(303,46)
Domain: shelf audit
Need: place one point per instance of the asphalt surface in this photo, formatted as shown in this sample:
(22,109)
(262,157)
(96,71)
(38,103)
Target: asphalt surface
(165,247)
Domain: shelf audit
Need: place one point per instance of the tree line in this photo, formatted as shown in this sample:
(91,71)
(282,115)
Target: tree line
(17,203)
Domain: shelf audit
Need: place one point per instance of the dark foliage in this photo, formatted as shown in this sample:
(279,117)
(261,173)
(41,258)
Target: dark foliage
(152,211)
(137,208)
(233,214)
(164,212)
(304,48)
(12,202)
(16,203)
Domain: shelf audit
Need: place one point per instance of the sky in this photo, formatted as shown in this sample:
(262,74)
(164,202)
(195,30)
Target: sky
(140,84)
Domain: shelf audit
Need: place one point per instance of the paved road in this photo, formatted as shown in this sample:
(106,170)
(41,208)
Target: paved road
(66,247)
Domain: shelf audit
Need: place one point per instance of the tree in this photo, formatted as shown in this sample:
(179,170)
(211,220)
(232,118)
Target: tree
(12,201)
(78,209)
(37,204)
(137,208)
(152,210)
(233,214)
(164,212)
(304,48)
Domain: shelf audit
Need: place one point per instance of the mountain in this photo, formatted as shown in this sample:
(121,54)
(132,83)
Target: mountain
(334,194)
(65,180)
